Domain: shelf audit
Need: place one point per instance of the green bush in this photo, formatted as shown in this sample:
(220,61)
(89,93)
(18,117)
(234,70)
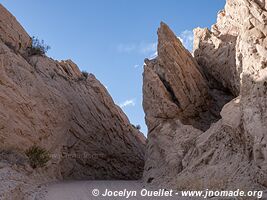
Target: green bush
(38,156)
(38,47)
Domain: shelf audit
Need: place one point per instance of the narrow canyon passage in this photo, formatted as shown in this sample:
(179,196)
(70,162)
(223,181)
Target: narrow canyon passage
(63,136)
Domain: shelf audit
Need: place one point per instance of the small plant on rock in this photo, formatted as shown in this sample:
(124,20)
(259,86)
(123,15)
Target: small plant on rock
(138,127)
(38,47)
(38,156)
(85,74)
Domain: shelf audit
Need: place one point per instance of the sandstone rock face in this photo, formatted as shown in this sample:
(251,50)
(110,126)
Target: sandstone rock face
(179,106)
(216,55)
(173,85)
(215,49)
(51,104)
(232,152)
(12,33)
(251,51)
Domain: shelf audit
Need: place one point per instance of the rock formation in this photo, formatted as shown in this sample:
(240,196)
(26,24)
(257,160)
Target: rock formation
(206,113)
(230,59)
(51,104)
(184,98)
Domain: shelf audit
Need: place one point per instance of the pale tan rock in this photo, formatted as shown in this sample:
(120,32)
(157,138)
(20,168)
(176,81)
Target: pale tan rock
(71,68)
(251,51)
(51,104)
(232,153)
(12,33)
(168,143)
(218,161)
(179,106)
(216,56)
(45,104)
(231,113)
(173,85)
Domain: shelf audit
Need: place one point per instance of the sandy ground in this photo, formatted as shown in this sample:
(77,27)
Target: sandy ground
(83,190)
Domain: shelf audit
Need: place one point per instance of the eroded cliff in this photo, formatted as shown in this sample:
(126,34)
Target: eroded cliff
(221,151)
(51,104)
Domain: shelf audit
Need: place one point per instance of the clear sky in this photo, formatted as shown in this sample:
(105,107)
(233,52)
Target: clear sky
(111,38)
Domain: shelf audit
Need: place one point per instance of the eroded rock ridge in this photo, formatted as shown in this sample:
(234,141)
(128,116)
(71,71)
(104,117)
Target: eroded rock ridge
(52,105)
(206,113)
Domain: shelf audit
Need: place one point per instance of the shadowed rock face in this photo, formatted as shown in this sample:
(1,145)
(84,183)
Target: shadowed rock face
(231,151)
(52,104)
(245,22)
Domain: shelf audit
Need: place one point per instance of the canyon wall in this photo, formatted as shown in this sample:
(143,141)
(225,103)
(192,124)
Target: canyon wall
(52,105)
(218,139)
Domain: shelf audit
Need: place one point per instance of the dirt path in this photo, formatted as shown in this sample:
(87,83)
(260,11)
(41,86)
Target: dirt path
(83,190)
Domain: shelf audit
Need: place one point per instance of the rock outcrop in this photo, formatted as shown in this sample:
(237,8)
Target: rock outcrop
(174,86)
(232,152)
(179,106)
(51,104)
(185,98)
(12,33)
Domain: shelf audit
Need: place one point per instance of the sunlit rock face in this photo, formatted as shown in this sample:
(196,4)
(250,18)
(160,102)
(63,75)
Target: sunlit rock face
(192,147)
(174,86)
(51,104)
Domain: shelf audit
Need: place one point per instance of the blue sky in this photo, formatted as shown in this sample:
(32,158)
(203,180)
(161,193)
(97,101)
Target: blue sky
(111,38)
